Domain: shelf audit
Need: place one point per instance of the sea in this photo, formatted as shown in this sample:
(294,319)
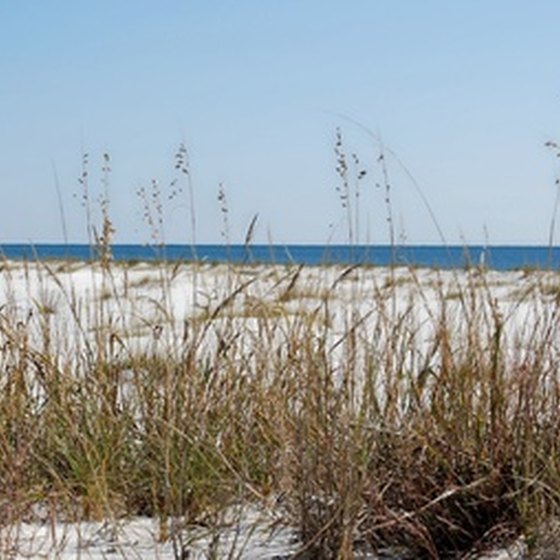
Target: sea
(434,256)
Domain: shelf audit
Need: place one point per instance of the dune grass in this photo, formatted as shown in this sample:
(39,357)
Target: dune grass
(374,414)
(368,408)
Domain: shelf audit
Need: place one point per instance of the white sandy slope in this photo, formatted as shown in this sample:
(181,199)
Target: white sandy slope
(149,306)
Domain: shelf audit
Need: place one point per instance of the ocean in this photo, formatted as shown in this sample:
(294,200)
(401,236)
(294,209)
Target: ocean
(494,257)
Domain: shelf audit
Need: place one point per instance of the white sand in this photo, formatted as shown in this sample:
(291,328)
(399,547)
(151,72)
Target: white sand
(146,305)
(250,534)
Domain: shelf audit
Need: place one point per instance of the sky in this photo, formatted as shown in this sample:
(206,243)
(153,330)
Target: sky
(458,97)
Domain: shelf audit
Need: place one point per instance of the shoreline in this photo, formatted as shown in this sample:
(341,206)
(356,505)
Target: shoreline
(495,257)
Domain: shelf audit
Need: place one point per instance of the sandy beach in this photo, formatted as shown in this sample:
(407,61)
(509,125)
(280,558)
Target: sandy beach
(148,304)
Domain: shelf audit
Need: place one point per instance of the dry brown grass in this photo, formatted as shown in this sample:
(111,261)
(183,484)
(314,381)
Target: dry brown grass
(362,437)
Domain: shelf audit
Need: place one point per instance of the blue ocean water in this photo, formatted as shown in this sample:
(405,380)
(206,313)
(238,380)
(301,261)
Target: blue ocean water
(494,257)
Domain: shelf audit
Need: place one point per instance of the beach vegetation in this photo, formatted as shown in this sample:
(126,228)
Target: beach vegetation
(363,437)
(370,409)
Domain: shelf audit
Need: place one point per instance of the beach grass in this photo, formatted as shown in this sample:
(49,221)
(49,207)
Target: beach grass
(366,407)
(400,410)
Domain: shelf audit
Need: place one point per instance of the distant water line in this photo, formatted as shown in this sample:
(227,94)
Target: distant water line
(434,256)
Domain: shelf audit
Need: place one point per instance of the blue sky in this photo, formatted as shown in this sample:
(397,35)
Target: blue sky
(464,93)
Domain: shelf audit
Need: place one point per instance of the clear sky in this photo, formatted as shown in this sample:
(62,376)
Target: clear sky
(465,93)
